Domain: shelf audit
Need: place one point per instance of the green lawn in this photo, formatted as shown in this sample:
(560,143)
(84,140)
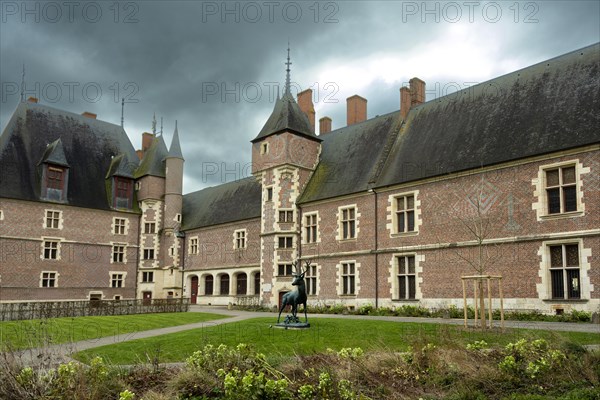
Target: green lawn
(38,333)
(324,333)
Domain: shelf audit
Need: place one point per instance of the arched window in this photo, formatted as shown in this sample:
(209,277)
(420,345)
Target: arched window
(224,284)
(241,283)
(208,285)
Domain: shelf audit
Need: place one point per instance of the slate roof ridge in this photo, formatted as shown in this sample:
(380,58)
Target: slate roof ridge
(513,74)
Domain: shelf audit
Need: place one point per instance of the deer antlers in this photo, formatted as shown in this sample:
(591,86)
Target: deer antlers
(298,269)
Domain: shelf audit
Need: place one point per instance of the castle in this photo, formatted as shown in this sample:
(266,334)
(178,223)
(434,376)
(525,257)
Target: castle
(502,179)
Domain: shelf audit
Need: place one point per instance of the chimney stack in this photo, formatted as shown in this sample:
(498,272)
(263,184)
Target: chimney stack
(140,154)
(306,105)
(32,100)
(324,125)
(88,114)
(417,91)
(147,139)
(405,101)
(356,109)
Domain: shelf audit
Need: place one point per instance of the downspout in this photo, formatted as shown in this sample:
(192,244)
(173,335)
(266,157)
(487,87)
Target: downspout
(137,255)
(299,231)
(376,254)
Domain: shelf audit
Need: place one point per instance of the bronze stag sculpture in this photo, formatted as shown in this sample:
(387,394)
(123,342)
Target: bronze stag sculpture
(296,297)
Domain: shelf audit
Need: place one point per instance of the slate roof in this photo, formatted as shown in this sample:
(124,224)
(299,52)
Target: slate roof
(88,146)
(153,162)
(351,158)
(229,202)
(287,116)
(547,107)
(175,149)
(120,166)
(55,154)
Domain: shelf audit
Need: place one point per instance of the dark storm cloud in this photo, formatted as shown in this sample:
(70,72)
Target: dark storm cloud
(212,65)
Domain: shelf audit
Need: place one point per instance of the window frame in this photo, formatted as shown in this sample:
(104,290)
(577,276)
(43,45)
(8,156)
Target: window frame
(193,245)
(118,253)
(348,277)
(118,190)
(288,216)
(147,252)
(348,225)
(53,219)
(398,274)
(119,226)
(286,240)
(240,239)
(561,186)
(285,267)
(564,269)
(311,227)
(50,252)
(149,228)
(51,276)
(117,280)
(147,276)
(310,278)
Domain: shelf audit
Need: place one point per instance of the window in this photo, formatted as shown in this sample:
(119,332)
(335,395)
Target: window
(286,242)
(310,228)
(1,215)
(270,194)
(51,249)
(208,285)
(348,278)
(564,271)
(149,227)
(224,284)
(561,189)
(55,182)
(119,226)
(284,270)
(264,148)
(116,280)
(118,253)
(406,277)
(148,254)
(52,219)
(48,279)
(122,192)
(178,217)
(311,280)
(147,276)
(193,245)
(240,239)
(405,214)
(348,220)
(286,216)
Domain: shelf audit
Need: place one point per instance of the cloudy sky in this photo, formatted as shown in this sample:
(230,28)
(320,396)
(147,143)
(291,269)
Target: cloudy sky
(214,65)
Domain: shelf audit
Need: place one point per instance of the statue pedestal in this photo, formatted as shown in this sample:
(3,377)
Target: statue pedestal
(292,325)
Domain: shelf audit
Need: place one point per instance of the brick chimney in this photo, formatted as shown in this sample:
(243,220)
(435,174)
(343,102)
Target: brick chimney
(32,100)
(405,101)
(307,106)
(147,139)
(417,91)
(88,114)
(324,125)
(356,109)
(140,154)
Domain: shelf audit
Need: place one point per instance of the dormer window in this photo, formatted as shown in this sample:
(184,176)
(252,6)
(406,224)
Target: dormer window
(55,178)
(123,192)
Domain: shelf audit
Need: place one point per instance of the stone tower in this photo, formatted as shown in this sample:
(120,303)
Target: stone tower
(284,154)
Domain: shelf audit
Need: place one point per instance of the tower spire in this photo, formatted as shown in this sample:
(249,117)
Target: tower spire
(122,111)
(154,124)
(287,71)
